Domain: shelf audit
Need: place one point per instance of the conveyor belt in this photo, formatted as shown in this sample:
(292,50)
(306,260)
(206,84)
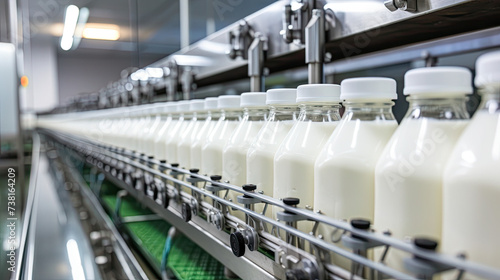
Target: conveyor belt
(186,259)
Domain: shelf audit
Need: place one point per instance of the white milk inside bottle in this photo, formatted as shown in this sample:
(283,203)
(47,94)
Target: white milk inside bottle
(151,129)
(211,154)
(196,107)
(408,175)
(174,130)
(234,157)
(294,160)
(344,173)
(149,115)
(170,115)
(260,157)
(471,183)
(128,136)
(212,115)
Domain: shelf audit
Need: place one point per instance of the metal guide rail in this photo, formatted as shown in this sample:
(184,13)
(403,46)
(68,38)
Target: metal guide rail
(277,248)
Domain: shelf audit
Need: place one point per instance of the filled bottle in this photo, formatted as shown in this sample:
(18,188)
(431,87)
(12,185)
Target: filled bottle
(344,173)
(230,116)
(260,157)
(174,130)
(151,129)
(471,182)
(294,160)
(408,175)
(234,156)
(198,116)
(212,114)
(169,116)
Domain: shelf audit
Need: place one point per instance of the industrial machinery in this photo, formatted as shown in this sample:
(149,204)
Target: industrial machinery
(282,44)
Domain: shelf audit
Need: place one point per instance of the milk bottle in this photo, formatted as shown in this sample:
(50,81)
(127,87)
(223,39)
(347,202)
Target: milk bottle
(294,160)
(408,175)
(471,183)
(212,115)
(234,156)
(152,127)
(211,154)
(344,173)
(196,107)
(173,134)
(260,157)
(170,116)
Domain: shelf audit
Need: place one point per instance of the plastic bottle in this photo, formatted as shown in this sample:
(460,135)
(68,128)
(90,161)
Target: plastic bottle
(260,157)
(234,156)
(151,129)
(198,116)
(344,173)
(211,154)
(408,176)
(173,134)
(212,115)
(471,183)
(169,115)
(294,160)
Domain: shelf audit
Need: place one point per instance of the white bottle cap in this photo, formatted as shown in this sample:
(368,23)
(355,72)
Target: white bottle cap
(371,88)
(228,101)
(253,99)
(488,69)
(284,96)
(182,106)
(169,107)
(438,81)
(318,93)
(211,103)
(197,105)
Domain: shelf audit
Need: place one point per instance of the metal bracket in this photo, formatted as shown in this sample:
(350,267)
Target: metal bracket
(251,45)
(404,5)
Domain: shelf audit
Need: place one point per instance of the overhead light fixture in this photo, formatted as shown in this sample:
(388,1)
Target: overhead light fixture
(70,20)
(99,31)
(82,21)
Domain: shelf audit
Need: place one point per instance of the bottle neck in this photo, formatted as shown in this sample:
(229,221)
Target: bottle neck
(450,108)
(201,115)
(255,114)
(490,99)
(319,112)
(283,112)
(231,114)
(368,111)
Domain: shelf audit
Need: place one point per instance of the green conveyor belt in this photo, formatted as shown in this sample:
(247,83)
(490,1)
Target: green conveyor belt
(187,260)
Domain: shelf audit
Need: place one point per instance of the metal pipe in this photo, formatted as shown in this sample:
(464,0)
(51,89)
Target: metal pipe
(256,63)
(315,46)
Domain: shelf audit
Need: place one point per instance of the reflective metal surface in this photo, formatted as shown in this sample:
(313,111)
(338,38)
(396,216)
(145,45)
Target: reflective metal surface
(59,248)
(355,27)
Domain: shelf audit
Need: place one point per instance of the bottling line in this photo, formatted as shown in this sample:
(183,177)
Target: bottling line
(137,204)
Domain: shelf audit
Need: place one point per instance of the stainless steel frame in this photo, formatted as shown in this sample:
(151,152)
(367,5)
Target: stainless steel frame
(101,156)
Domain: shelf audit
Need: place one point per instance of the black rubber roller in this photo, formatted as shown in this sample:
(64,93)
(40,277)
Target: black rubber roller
(425,243)
(360,224)
(194,170)
(291,201)
(215,177)
(175,165)
(237,243)
(186,212)
(249,187)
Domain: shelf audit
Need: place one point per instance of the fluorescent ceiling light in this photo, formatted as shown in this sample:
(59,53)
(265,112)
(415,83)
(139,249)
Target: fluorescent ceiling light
(82,20)
(70,20)
(99,31)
